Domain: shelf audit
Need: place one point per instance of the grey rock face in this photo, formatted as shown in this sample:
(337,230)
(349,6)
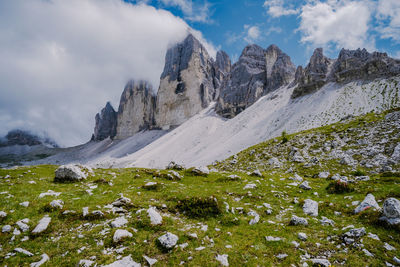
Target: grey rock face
(310,207)
(314,76)
(106,122)
(257,72)
(136,109)
(186,85)
(368,202)
(222,68)
(351,65)
(168,240)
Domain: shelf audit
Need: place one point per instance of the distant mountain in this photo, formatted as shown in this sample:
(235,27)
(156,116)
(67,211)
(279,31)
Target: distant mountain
(25,138)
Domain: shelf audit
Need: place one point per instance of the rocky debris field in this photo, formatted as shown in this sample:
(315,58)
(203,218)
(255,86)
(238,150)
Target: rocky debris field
(327,196)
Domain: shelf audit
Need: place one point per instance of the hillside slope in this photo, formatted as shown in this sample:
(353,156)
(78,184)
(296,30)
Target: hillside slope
(207,137)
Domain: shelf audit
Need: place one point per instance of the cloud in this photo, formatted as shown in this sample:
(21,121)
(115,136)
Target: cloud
(336,24)
(388,16)
(62,60)
(253,33)
(192,11)
(277,8)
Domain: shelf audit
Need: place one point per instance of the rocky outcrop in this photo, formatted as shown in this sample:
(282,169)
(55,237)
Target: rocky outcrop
(314,76)
(136,109)
(257,72)
(106,122)
(222,68)
(186,84)
(351,65)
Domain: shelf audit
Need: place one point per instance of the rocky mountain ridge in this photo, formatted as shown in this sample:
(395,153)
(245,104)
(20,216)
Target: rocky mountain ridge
(25,138)
(191,80)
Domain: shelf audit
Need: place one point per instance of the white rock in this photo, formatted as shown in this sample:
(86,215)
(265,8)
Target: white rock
(296,178)
(23,251)
(199,248)
(85,211)
(119,222)
(121,234)
(323,175)
(273,239)
(391,211)
(388,247)
(124,262)
(155,217)
(367,253)
(69,173)
(256,218)
(49,193)
(3,214)
(295,220)
(150,184)
(44,258)
(168,240)
(22,224)
(281,256)
(249,186)
(396,260)
(368,202)
(85,263)
(150,261)
(325,221)
(310,207)
(16,231)
(223,259)
(42,225)
(304,185)
(302,236)
(321,262)
(257,173)
(24,204)
(396,153)
(373,236)
(57,204)
(201,170)
(6,228)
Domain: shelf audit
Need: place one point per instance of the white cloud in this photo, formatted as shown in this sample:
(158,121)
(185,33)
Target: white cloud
(192,11)
(253,33)
(389,11)
(336,23)
(277,8)
(62,60)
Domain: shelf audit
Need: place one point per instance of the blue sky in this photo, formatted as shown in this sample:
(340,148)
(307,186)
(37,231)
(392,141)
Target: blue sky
(297,27)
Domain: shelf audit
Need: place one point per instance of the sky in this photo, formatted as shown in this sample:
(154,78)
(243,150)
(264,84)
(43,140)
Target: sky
(62,60)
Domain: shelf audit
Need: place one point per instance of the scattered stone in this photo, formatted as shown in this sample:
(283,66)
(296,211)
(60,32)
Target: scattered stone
(295,220)
(199,248)
(388,247)
(174,166)
(85,211)
(121,234)
(42,225)
(6,228)
(257,173)
(391,211)
(3,214)
(119,222)
(223,259)
(203,171)
(323,175)
(256,218)
(85,263)
(296,178)
(373,236)
(44,259)
(310,207)
(69,173)
(325,221)
(362,178)
(368,202)
(155,217)
(367,253)
(273,239)
(396,153)
(124,262)
(23,251)
(274,163)
(49,193)
(150,261)
(281,256)
(24,204)
(97,214)
(168,240)
(302,236)
(22,224)
(175,175)
(57,204)
(249,186)
(396,260)
(122,202)
(305,185)
(321,262)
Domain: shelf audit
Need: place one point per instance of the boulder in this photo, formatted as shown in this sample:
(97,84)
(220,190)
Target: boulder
(121,234)
(223,259)
(124,262)
(298,221)
(368,202)
(155,217)
(310,207)
(69,173)
(168,240)
(391,211)
(119,222)
(42,225)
